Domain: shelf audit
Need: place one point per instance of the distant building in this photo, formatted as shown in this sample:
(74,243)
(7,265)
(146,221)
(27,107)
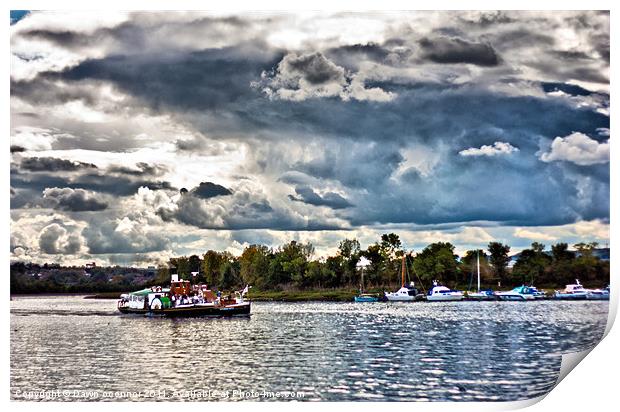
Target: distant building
(90,265)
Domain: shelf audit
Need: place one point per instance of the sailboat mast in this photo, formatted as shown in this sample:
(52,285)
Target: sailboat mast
(403,272)
(478,267)
(362,289)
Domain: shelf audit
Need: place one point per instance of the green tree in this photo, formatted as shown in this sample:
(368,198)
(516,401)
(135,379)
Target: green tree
(211,264)
(254,265)
(437,261)
(349,250)
(181,264)
(377,258)
(391,244)
(531,264)
(562,264)
(229,275)
(586,266)
(499,259)
(289,264)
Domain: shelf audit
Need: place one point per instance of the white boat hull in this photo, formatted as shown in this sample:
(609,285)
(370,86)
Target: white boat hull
(515,296)
(598,296)
(571,296)
(480,296)
(399,298)
(444,298)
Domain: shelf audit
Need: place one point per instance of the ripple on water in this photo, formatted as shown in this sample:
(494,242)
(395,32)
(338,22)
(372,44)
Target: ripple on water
(329,351)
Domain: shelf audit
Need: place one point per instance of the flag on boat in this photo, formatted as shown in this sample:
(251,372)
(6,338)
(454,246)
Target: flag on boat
(245,290)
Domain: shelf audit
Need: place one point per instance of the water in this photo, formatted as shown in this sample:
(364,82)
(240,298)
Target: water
(69,348)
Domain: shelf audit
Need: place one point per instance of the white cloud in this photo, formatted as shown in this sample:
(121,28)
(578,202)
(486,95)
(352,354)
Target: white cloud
(34,138)
(577,148)
(498,148)
(531,234)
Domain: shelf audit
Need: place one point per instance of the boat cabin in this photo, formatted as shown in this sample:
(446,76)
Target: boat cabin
(406,291)
(440,290)
(576,288)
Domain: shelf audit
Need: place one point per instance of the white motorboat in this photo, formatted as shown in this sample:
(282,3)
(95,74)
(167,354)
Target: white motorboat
(405,293)
(538,294)
(572,292)
(520,293)
(443,294)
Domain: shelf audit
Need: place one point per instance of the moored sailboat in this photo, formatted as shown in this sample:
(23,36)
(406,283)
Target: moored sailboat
(480,294)
(405,293)
(362,296)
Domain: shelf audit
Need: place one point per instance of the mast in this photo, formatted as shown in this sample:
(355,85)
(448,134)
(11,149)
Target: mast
(362,289)
(403,272)
(478,267)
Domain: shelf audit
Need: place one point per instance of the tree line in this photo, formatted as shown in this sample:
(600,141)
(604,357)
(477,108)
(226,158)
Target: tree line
(292,265)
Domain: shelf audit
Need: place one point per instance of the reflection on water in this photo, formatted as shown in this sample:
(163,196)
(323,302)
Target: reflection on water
(460,351)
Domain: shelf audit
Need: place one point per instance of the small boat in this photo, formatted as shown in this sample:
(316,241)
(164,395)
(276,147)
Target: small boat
(365,297)
(443,294)
(538,294)
(405,293)
(520,293)
(486,294)
(598,294)
(183,299)
(480,294)
(572,292)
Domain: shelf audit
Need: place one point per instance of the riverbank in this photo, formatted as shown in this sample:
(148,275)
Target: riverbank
(326,295)
(289,295)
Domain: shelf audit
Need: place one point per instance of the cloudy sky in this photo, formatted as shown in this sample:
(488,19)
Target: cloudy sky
(464,127)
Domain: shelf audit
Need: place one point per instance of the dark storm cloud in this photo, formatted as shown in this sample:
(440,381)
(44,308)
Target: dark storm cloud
(206,190)
(522,38)
(64,38)
(490,18)
(572,89)
(52,164)
(73,200)
(141,31)
(450,50)
(330,199)
(314,68)
(119,185)
(351,56)
(516,193)
(241,210)
(370,51)
(208,79)
(396,159)
(17,149)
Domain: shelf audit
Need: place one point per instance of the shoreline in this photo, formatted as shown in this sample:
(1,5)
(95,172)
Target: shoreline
(324,295)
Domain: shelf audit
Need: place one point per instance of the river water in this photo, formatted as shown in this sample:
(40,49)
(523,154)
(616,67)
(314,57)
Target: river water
(70,348)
